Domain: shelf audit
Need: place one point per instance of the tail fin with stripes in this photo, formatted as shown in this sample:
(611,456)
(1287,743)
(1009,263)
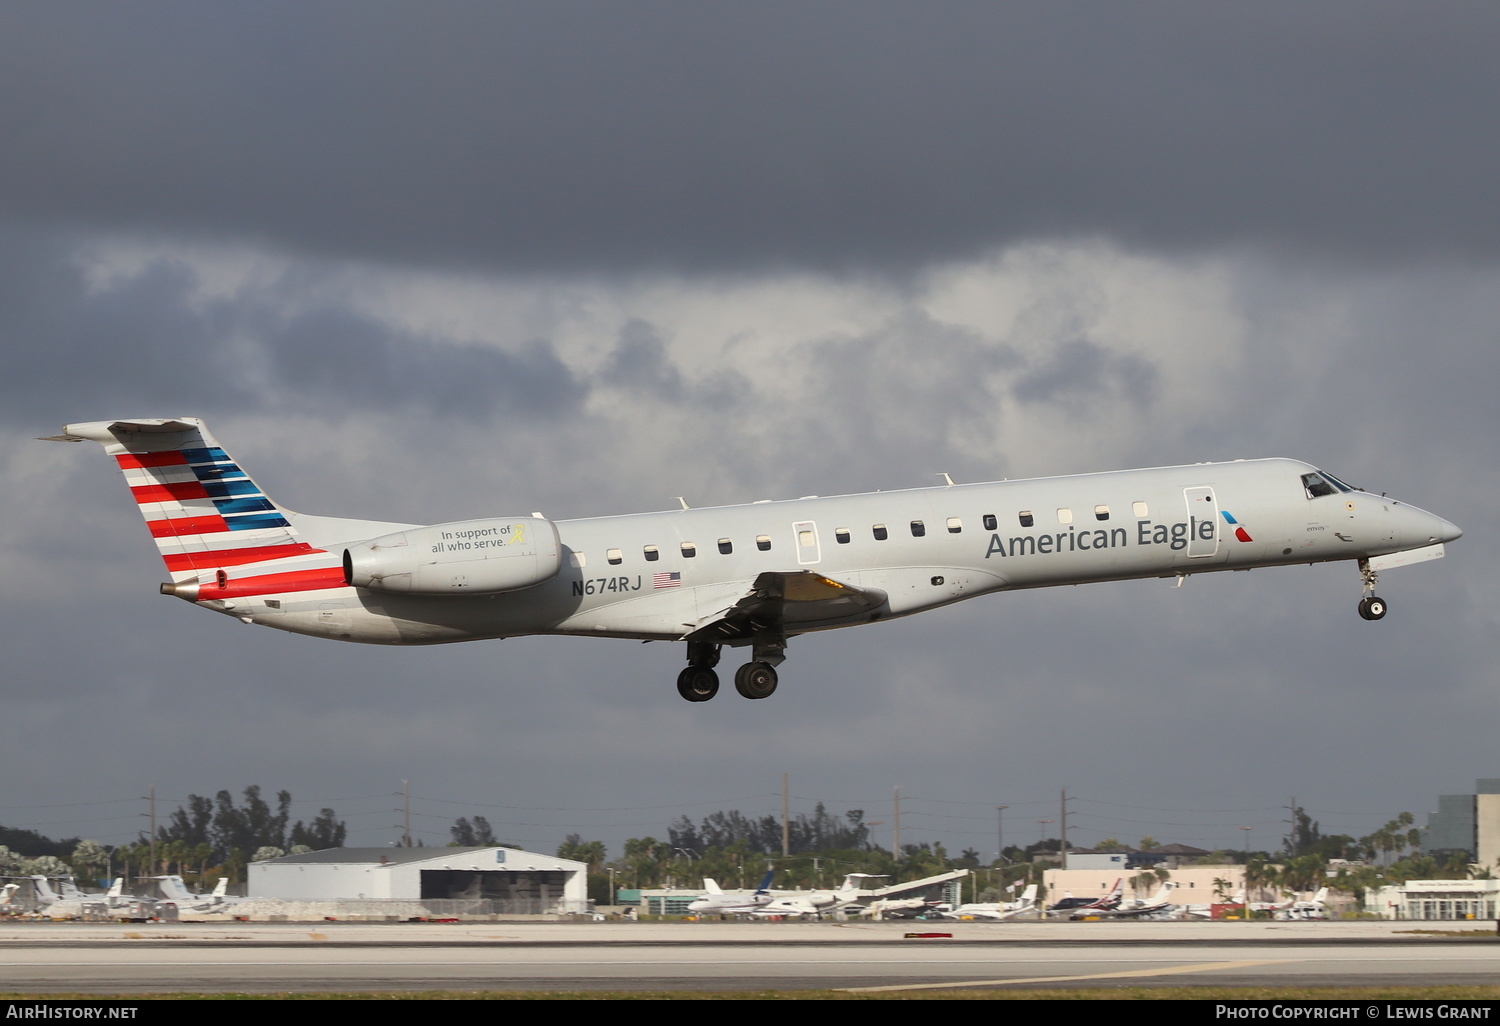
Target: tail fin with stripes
(219,535)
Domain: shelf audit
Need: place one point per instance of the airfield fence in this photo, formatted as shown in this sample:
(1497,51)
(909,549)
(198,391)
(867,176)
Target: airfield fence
(428,908)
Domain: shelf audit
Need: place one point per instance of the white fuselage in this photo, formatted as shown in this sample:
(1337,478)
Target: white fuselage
(921,548)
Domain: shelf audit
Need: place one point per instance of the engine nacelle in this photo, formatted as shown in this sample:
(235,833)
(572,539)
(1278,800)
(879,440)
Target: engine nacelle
(473,557)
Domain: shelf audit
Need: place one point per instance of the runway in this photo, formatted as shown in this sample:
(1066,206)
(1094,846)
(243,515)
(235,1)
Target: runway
(40,958)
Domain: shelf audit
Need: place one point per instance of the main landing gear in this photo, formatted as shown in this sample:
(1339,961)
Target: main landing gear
(697,683)
(754,680)
(1371,607)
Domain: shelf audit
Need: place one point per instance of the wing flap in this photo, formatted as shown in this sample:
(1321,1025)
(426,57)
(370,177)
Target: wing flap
(781,601)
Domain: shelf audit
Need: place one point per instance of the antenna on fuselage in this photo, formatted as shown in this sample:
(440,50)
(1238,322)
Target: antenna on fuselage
(945,477)
(684,502)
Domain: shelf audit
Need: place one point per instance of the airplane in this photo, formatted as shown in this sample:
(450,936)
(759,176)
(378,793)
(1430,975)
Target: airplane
(997,910)
(44,897)
(748,576)
(908,908)
(721,902)
(1313,908)
(175,890)
(1159,903)
(1072,906)
(816,903)
(68,902)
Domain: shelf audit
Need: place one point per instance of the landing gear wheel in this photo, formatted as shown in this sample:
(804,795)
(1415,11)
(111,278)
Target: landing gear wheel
(697,684)
(1372,608)
(755,680)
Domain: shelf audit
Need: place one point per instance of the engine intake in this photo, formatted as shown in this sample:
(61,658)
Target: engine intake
(471,557)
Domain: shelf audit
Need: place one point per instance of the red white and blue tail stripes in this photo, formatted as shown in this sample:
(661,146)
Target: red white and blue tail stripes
(212,523)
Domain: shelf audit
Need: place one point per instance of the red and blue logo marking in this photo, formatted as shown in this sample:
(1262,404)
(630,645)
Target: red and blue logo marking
(1239,532)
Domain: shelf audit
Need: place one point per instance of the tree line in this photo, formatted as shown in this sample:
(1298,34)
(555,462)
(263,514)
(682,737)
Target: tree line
(203,839)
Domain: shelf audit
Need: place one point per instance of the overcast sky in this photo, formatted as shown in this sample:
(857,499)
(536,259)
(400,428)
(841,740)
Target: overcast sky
(425,262)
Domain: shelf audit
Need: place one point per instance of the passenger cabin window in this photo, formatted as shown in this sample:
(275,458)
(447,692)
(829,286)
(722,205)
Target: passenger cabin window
(918,529)
(1027,518)
(1101,512)
(841,535)
(689,550)
(615,556)
(955,525)
(990,523)
(1139,509)
(763,542)
(726,546)
(880,532)
(652,553)
(1064,515)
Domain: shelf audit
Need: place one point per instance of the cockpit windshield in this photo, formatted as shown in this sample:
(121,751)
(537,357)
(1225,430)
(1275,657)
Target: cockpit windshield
(1323,483)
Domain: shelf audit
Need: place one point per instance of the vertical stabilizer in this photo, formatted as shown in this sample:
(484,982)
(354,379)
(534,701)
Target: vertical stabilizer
(219,535)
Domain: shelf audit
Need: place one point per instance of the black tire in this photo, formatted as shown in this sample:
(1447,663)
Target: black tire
(1372,608)
(755,680)
(697,684)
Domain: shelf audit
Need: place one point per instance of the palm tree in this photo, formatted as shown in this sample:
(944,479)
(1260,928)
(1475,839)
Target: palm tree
(1259,874)
(89,855)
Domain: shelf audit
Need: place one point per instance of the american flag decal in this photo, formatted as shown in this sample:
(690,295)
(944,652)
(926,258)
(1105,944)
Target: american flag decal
(672,579)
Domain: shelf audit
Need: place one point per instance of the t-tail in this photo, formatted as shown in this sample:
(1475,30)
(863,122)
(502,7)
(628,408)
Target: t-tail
(219,535)
(45,895)
(765,883)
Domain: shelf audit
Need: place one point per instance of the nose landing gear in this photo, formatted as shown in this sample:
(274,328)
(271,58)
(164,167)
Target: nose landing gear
(1371,607)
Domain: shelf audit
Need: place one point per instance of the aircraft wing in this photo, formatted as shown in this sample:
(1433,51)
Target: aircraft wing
(781,602)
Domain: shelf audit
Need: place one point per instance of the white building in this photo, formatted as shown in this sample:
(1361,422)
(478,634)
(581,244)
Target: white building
(1436,899)
(504,879)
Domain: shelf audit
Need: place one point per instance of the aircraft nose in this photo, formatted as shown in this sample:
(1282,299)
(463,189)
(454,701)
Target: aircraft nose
(1424,528)
(1447,532)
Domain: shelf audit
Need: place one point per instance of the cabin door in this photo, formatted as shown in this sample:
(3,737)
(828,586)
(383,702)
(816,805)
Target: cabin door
(805,538)
(1203,522)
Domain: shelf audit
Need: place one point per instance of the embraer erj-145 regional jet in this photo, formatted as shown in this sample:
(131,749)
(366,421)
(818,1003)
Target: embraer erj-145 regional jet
(743,576)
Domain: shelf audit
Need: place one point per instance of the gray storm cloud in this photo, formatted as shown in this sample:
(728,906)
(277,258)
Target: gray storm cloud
(424,263)
(594,136)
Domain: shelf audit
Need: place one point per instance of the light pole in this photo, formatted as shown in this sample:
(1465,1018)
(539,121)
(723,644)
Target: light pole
(1248,915)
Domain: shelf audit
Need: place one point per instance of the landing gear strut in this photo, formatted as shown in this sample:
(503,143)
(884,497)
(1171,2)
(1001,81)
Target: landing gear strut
(1371,607)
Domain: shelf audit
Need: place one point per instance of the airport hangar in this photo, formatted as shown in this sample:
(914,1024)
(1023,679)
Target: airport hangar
(424,874)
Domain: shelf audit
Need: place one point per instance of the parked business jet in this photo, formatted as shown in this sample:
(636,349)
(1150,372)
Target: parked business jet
(717,901)
(818,903)
(997,910)
(748,576)
(1159,904)
(1071,906)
